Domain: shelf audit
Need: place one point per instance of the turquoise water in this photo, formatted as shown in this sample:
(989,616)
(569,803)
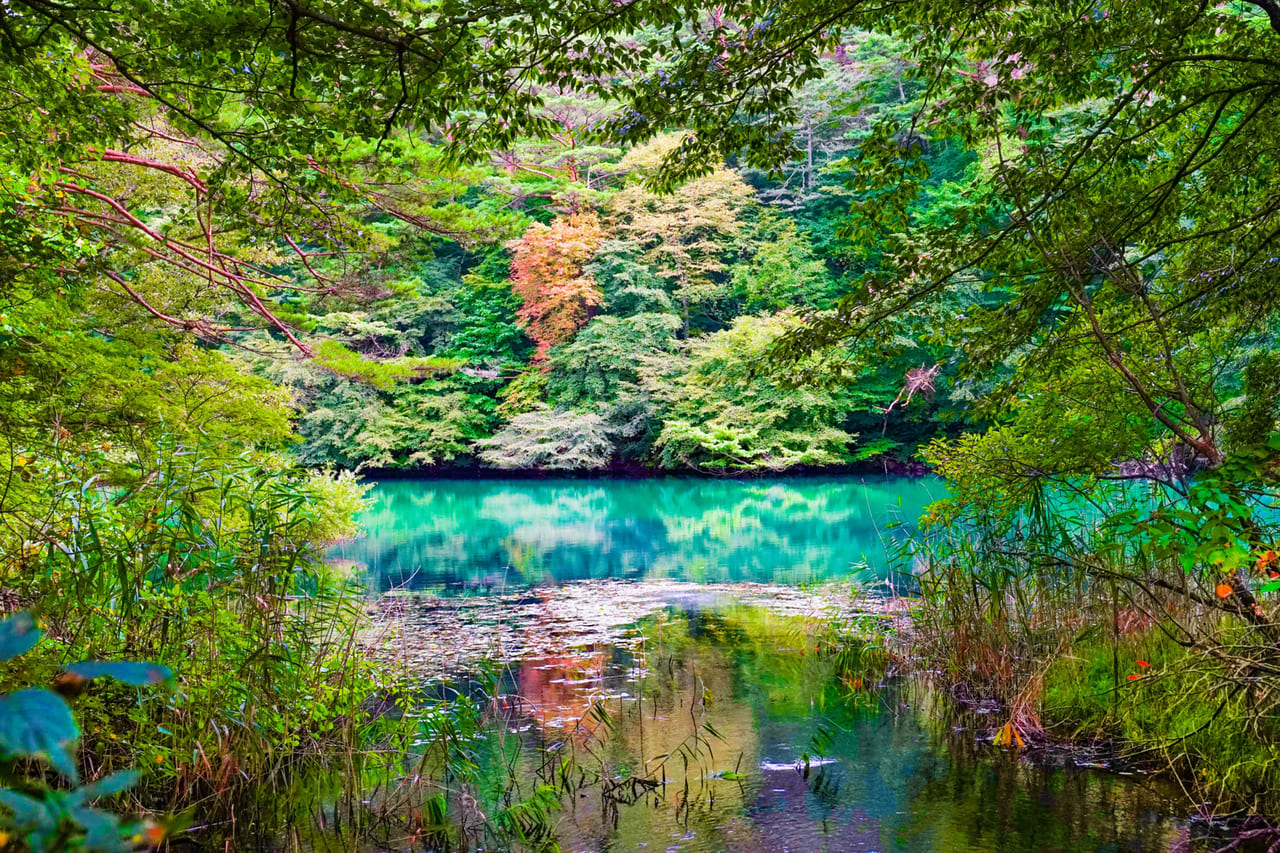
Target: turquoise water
(532,576)
(487,534)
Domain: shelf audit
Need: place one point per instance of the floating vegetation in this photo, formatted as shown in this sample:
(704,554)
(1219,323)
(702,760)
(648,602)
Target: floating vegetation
(434,634)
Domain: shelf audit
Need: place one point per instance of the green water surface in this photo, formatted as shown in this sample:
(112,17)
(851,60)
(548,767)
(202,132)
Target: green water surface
(490,533)
(889,768)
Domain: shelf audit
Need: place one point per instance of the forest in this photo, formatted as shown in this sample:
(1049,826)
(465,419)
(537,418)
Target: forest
(545,308)
(255,255)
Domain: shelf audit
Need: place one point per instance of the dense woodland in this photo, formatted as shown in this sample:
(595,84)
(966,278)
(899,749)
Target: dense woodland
(250,248)
(545,308)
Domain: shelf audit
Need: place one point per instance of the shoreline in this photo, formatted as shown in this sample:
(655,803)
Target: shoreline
(634,471)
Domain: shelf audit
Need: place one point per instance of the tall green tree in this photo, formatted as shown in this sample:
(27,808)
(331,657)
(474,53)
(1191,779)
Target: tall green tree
(687,236)
(723,413)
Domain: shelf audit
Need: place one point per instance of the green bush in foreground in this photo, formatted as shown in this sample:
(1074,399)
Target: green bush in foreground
(38,724)
(208,564)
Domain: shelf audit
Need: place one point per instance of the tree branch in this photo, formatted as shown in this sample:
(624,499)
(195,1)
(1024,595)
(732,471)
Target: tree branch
(1272,8)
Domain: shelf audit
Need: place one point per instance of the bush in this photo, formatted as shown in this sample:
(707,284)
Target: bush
(37,724)
(554,440)
(210,565)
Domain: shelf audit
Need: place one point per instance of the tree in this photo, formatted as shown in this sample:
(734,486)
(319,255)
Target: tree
(630,285)
(1109,272)
(782,271)
(551,440)
(688,235)
(567,164)
(1096,233)
(725,414)
(607,370)
(241,147)
(608,357)
(547,273)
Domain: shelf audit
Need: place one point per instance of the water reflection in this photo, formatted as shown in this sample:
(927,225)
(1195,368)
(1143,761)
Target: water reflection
(712,707)
(489,534)
(891,779)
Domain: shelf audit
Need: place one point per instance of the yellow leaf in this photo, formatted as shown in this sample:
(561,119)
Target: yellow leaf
(1008,736)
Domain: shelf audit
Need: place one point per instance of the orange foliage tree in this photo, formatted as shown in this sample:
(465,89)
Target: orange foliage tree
(547,274)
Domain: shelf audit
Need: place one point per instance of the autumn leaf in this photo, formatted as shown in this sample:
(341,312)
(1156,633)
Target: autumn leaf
(1008,735)
(547,274)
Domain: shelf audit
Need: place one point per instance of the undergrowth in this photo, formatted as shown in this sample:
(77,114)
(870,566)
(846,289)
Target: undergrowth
(1144,620)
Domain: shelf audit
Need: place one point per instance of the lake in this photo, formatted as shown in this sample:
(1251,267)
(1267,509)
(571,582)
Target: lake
(686,610)
(489,533)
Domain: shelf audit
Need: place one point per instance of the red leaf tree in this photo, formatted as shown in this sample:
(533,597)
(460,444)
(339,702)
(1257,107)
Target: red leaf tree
(547,274)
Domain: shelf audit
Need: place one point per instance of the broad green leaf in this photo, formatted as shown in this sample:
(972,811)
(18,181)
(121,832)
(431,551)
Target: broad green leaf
(37,819)
(109,786)
(38,722)
(18,635)
(102,830)
(126,672)
(27,811)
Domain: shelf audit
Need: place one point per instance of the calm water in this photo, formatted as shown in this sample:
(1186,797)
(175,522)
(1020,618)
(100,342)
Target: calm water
(598,593)
(892,778)
(710,713)
(485,534)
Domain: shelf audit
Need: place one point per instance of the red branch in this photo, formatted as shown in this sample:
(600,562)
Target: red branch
(194,264)
(187,175)
(302,256)
(190,325)
(133,90)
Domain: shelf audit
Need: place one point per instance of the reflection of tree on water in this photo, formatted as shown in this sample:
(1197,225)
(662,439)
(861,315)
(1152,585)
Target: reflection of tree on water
(553,689)
(559,688)
(657,761)
(465,534)
(887,783)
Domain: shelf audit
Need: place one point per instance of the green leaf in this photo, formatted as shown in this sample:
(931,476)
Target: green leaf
(102,830)
(37,722)
(37,819)
(27,811)
(18,635)
(109,786)
(126,672)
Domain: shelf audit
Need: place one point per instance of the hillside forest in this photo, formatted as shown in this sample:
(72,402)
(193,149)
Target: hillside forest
(546,308)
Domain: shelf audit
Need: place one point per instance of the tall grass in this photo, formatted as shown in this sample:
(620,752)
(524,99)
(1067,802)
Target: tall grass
(1091,614)
(211,565)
